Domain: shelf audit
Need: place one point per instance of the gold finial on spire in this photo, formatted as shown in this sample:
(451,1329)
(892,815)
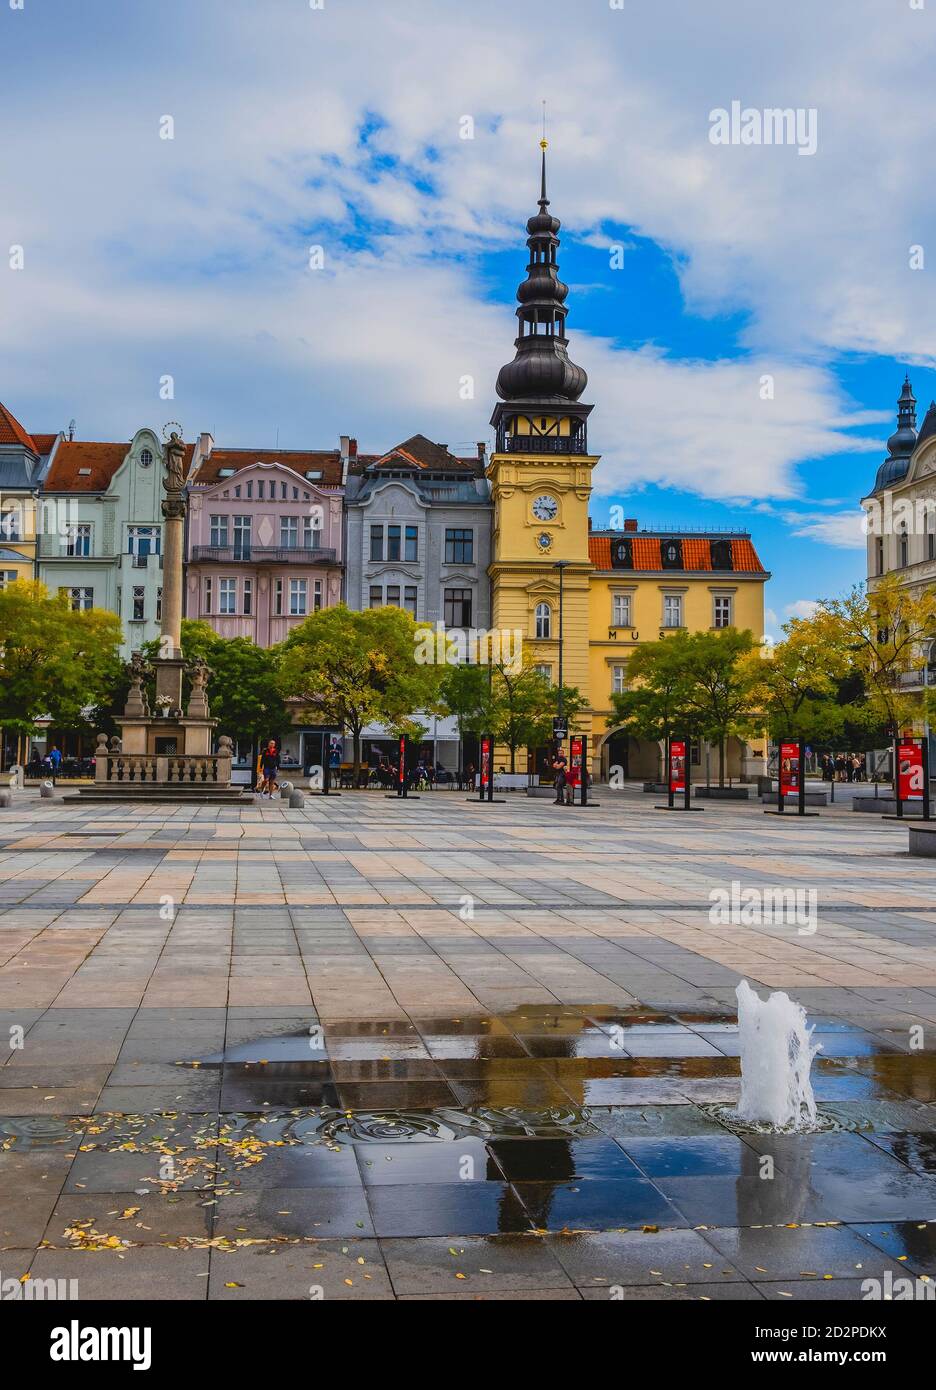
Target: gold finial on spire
(544,143)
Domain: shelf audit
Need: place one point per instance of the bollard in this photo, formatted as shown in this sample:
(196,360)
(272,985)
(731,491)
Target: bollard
(296,801)
(286,790)
(47,791)
(6,798)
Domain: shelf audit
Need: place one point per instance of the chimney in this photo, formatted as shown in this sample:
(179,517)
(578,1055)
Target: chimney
(630,523)
(482,450)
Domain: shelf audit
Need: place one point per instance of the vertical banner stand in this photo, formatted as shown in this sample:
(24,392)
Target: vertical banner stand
(402,787)
(578,757)
(924,749)
(799,745)
(326,767)
(486,774)
(677,748)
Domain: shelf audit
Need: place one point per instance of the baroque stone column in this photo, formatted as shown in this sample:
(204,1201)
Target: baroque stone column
(169,664)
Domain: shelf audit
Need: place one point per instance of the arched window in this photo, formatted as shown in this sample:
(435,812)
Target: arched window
(543,620)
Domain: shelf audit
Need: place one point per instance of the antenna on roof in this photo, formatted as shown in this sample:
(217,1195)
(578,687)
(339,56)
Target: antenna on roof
(276,445)
(72,426)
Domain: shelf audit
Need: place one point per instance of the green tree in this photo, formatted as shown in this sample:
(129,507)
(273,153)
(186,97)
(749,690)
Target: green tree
(524,705)
(53,661)
(886,631)
(796,684)
(656,705)
(352,669)
(719,685)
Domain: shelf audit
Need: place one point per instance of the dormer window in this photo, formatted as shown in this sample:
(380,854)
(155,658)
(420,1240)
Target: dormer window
(146,458)
(721,556)
(622,554)
(671,554)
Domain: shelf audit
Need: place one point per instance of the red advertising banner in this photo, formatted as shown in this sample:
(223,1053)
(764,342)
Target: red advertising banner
(485,760)
(789,768)
(401,771)
(677,765)
(574,773)
(910,770)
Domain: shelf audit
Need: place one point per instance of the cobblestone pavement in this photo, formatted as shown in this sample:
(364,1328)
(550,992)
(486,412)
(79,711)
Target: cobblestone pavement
(430,1049)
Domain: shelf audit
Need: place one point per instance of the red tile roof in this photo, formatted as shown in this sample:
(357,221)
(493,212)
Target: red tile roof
(72,456)
(12,432)
(44,442)
(696,553)
(301,461)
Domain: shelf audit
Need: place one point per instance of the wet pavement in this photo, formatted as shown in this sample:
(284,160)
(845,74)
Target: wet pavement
(531,1099)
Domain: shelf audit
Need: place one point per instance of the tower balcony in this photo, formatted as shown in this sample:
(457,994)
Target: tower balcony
(508,443)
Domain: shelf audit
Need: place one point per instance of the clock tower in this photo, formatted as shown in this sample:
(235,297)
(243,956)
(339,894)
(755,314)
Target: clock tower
(540,473)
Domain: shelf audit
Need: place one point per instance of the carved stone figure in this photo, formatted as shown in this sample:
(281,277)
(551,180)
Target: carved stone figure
(175,455)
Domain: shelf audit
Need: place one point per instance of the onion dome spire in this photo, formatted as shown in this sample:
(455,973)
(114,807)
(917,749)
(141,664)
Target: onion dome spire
(902,442)
(541,370)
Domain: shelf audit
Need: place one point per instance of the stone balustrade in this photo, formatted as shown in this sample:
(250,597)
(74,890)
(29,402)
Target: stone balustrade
(175,770)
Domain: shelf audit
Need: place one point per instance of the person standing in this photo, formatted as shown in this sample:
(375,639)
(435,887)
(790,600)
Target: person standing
(269,763)
(55,761)
(559,765)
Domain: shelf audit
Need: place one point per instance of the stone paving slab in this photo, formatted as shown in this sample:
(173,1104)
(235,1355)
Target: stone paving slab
(433,1050)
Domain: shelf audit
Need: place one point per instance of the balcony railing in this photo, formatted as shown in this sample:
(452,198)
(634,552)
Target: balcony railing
(265,554)
(541,444)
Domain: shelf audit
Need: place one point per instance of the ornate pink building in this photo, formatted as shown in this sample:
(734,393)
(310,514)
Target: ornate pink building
(265,538)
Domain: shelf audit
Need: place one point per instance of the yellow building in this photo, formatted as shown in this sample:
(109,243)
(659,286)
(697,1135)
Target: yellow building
(584,600)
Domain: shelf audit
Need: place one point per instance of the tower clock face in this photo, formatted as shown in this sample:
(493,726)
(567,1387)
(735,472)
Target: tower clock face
(545,508)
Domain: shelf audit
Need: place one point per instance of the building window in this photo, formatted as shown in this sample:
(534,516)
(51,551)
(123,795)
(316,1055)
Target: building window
(376,596)
(879,554)
(139,603)
(142,541)
(248,597)
(459,545)
(207,595)
(146,458)
(316,595)
(411,548)
(543,620)
(219,531)
(227,596)
(672,610)
(241,537)
(159,605)
(376,542)
(618,679)
(393,542)
(904,548)
(79,598)
(393,595)
(260,490)
(278,598)
(78,540)
(930,537)
(298,598)
(311,533)
(721,610)
(289,531)
(458,608)
(409,599)
(7,577)
(545,670)
(621,610)
(10,527)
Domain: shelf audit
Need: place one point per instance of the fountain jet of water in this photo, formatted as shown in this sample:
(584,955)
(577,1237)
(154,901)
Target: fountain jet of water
(776,1055)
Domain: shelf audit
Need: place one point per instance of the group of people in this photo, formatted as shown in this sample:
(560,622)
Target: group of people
(842,767)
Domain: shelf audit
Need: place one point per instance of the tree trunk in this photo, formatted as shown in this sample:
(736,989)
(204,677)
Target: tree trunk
(356,744)
(721,762)
(513,757)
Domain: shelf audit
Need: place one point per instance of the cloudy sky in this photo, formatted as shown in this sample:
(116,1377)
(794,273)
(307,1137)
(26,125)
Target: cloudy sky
(697,270)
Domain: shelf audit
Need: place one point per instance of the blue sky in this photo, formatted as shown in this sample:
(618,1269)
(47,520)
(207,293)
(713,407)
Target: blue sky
(343,127)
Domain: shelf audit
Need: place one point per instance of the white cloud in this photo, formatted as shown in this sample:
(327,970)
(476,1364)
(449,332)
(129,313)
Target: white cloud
(801,608)
(188,256)
(842,529)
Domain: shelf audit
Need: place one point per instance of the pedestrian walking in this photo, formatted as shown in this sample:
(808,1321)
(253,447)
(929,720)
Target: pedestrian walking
(269,765)
(55,762)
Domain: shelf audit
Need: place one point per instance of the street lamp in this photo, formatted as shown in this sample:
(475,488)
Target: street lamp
(560,565)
